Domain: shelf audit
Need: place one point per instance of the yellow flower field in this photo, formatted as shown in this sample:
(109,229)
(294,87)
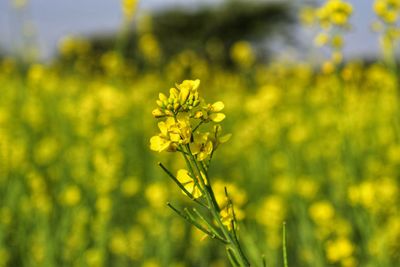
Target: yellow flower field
(315,147)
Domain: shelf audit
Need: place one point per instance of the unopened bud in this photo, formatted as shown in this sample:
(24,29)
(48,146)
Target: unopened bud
(198,115)
(176,106)
(160,103)
(157,113)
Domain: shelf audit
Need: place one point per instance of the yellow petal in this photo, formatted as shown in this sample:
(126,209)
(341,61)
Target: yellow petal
(204,177)
(196,84)
(169,122)
(184,94)
(196,192)
(174,93)
(159,144)
(157,113)
(187,181)
(208,147)
(183,176)
(202,156)
(217,117)
(175,137)
(191,84)
(217,106)
(162,97)
(195,148)
(198,114)
(163,128)
(160,103)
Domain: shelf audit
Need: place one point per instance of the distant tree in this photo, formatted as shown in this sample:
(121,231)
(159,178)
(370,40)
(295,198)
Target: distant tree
(183,29)
(237,20)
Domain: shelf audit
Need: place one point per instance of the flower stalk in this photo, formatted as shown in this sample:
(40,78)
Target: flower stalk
(179,111)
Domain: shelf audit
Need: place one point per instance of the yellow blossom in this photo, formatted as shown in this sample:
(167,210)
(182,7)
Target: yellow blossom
(201,146)
(339,249)
(227,217)
(173,132)
(211,112)
(189,183)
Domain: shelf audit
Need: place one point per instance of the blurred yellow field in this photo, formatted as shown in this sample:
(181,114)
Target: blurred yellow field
(315,147)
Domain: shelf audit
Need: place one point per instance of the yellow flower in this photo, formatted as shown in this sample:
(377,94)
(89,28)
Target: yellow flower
(71,195)
(129,8)
(173,132)
(189,183)
(242,54)
(227,216)
(214,110)
(307,15)
(387,10)
(339,249)
(201,146)
(337,41)
(211,112)
(182,98)
(334,13)
(321,39)
(162,142)
(322,212)
(188,95)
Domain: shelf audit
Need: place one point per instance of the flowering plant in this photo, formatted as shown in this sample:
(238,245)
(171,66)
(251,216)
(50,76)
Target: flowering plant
(184,114)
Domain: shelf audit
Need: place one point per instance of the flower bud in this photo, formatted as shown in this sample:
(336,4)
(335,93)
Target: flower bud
(176,106)
(184,94)
(157,113)
(162,97)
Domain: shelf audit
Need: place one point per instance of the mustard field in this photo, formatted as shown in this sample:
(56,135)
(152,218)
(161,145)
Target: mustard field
(314,147)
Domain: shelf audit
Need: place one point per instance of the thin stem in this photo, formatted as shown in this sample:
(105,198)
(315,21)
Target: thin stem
(198,125)
(194,223)
(212,229)
(231,257)
(196,183)
(180,150)
(208,185)
(181,186)
(285,261)
(215,209)
(233,224)
(210,232)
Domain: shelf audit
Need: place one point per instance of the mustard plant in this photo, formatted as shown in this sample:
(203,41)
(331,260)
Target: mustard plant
(190,126)
(332,20)
(387,12)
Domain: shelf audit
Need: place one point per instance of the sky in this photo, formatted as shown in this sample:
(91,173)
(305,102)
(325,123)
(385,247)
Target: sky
(53,19)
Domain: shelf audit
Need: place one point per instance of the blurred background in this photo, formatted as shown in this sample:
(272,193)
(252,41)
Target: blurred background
(311,94)
(50,21)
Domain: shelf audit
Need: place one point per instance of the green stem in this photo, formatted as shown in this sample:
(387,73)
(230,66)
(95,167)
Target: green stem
(212,229)
(181,186)
(190,219)
(198,125)
(196,182)
(285,261)
(207,186)
(237,253)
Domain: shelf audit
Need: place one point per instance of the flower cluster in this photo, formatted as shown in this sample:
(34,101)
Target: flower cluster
(183,98)
(333,20)
(387,10)
(182,109)
(334,13)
